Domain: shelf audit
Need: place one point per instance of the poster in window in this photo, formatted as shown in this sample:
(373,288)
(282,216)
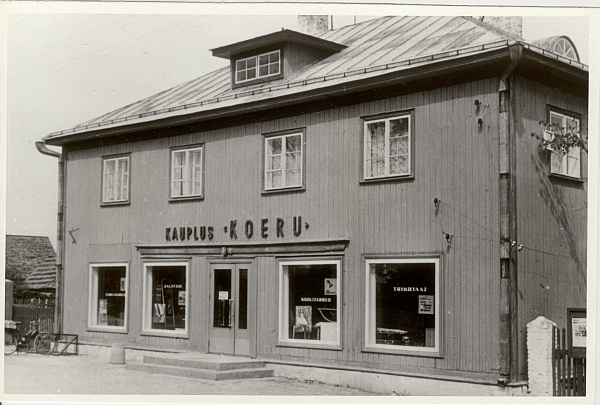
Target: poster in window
(181,298)
(579,330)
(303,318)
(102,306)
(122,283)
(330,286)
(426,304)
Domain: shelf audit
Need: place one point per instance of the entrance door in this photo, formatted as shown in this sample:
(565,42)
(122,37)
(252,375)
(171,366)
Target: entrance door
(229,309)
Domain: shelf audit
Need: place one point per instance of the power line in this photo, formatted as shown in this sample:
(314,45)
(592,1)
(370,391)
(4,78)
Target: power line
(90,56)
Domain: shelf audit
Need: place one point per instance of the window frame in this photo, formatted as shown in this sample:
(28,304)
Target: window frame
(284,309)
(256,58)
(93,298)
(284,135)
(116,159)
(370,344)
(387,117)
(187,168)
(565,115)
(147,299)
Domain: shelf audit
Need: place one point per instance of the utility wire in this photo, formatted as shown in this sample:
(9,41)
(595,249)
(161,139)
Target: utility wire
(86,58)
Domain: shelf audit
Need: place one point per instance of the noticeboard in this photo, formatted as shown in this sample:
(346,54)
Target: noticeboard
(577,330)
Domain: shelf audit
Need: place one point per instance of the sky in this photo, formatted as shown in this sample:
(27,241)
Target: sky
(67,65)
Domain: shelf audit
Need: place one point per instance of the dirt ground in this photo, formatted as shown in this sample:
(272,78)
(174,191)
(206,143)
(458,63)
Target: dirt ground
(84,374)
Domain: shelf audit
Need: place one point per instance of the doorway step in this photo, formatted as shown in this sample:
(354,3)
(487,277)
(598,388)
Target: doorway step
(203,366)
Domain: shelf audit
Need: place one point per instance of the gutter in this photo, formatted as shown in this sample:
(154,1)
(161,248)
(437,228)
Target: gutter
(58,311)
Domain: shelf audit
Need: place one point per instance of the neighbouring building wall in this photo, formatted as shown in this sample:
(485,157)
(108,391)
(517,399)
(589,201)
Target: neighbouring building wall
(456,161)
(551,213)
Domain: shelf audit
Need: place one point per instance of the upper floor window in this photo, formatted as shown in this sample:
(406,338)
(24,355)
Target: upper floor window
(257,66)
(115,179)
(283,161)
(186,172)
(568,164)
(387,147)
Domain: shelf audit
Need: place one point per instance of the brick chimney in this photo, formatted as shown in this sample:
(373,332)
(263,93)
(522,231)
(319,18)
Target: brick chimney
(514,25)
(313,24)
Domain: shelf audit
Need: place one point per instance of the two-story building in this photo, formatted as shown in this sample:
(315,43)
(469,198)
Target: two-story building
(370,197)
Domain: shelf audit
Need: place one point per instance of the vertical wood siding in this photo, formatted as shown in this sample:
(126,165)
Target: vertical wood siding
(456,160)
(552,214)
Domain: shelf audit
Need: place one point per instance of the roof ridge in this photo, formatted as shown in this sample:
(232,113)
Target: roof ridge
(493,28)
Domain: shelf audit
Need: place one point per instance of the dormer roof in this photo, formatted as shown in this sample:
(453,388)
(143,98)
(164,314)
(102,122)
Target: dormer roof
(276,38)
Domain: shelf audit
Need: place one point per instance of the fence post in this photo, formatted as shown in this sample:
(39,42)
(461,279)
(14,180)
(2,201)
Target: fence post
(539,356)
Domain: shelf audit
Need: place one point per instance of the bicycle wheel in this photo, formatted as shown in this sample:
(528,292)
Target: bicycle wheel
(11,339)
(44,343)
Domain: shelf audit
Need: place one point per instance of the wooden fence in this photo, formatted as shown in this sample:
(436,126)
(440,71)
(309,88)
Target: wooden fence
(568,372)
(33,311)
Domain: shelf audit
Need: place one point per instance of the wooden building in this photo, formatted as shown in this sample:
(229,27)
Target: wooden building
(371,196)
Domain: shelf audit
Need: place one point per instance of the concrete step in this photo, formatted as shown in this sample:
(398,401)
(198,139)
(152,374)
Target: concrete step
(217,363)
(203,374)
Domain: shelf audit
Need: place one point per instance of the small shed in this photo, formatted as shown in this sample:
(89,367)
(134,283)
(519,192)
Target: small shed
(43,279)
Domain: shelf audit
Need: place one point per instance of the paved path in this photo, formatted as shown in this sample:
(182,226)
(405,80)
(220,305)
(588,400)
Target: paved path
(29,373)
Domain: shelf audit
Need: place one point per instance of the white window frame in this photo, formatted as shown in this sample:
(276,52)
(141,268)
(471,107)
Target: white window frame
(256,67)
(122,178)
(283,167)
(93,298)
(574,152)
(188,173)
(387,156)
(370,327)
(147,300)
(284,309)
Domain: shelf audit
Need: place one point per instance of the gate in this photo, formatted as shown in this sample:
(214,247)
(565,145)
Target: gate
(568,372)
(25,311)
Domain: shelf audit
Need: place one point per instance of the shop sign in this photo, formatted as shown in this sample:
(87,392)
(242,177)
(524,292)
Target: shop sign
(204,232)
(410,289)
(311,299)
(577,330)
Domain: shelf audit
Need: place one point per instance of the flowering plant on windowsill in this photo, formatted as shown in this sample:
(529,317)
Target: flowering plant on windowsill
(559,139)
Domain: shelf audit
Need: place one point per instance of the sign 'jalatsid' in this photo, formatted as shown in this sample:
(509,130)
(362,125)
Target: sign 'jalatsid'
(201,233)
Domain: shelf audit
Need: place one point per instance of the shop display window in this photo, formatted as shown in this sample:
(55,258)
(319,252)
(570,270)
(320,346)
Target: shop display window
(108,298)
(166,295)
(310,300)
(403,303)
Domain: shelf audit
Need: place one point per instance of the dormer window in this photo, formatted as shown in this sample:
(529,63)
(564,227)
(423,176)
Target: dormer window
(257,66)
(275,56)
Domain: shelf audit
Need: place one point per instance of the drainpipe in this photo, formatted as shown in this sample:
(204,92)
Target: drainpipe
(58,309)
(509,328)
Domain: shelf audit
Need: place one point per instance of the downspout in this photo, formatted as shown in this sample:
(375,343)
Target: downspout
(509,328)
(58,309)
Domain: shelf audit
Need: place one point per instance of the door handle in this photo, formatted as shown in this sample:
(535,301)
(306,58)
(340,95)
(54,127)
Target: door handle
(231,313)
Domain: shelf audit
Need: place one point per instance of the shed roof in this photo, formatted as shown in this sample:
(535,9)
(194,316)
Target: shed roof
(371,48)
(44,276)
(24,254)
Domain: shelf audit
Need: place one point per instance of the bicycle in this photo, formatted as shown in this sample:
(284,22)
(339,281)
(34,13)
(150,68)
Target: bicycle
(43,342)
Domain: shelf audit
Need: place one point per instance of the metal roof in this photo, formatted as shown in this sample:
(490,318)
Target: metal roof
(372,48)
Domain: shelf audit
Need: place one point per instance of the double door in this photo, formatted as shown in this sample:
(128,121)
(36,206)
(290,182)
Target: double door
(229,315)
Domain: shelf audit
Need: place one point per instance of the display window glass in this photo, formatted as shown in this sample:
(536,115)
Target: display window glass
(310,294)
(165,311)
(108,297)
(403,302)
